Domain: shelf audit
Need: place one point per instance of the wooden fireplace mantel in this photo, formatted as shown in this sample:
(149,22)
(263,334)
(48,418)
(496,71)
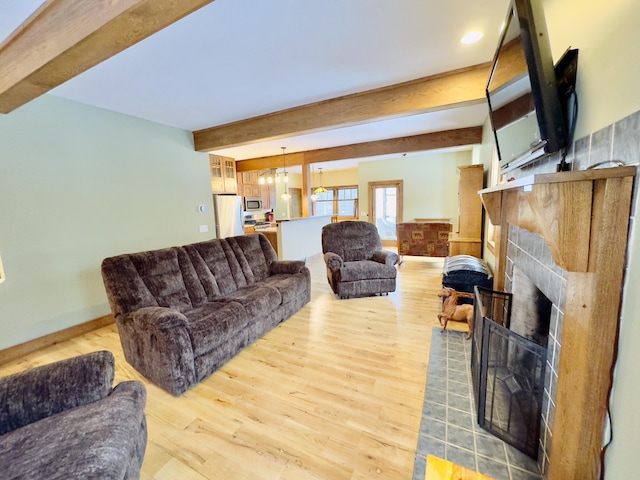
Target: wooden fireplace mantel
(584,218)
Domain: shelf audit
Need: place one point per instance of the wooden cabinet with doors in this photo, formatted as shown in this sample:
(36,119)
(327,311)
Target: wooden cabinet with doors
(249,186)
(468,240)
(223,174)
(268,195)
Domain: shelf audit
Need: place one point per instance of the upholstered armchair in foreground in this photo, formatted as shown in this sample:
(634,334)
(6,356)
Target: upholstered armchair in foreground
(356,264)
(64,420)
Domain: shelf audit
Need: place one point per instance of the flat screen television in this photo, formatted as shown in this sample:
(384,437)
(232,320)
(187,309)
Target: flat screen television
(527,111)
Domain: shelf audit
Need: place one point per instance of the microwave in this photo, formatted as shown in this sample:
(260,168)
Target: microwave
(252,204)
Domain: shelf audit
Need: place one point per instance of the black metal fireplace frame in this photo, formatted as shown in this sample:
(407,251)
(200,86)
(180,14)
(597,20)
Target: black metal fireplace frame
(506,369)
(487,304)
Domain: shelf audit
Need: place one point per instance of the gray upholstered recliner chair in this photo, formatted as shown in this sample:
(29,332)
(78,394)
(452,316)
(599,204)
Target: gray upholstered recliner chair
(356,264)
(64,420)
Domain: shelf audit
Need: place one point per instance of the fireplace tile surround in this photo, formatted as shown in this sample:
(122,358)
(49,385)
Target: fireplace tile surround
(531,254)
(619,141)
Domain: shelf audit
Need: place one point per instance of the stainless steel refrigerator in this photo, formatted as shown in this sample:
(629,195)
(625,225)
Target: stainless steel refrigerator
(229,217)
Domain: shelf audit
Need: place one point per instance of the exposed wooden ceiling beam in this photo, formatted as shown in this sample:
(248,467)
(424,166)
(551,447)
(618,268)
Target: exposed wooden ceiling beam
(63,38)
(414,143)
(456,88)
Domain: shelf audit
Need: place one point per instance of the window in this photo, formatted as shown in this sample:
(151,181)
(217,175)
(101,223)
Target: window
(324,203)
(339,201)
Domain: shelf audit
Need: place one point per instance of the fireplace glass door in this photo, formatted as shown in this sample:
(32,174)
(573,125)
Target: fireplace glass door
(509,380)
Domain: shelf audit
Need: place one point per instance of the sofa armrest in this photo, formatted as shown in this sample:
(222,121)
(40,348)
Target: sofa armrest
(102,440)
(160,318)
(40,392)
(286,266)
(334,261)
(386,257)
(157,343)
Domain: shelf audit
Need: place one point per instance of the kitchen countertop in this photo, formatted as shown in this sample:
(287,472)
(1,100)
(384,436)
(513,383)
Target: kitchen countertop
(301,218)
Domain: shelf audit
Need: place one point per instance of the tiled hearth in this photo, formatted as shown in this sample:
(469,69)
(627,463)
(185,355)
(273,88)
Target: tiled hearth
(449,428)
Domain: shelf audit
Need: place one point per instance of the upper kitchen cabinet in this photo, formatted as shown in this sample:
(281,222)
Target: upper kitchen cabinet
(250,184)
(223,174)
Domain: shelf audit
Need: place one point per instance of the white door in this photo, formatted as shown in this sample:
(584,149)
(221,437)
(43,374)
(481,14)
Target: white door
(385,209)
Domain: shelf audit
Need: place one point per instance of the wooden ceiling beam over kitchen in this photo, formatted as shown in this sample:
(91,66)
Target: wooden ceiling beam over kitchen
(414,143)
(64,38)
(456,88)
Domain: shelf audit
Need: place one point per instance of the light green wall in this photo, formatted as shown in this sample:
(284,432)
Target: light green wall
(429,183)
(606,33)
(78,184)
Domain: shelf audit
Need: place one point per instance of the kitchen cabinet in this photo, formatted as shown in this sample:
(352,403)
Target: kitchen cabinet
(271,236)
(268,195)
(223,174)
(249,186)
(468,240)
(251,178)
(252,191)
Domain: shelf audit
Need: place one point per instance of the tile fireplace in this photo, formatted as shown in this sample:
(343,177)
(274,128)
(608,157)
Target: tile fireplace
(516,347)
(567,232)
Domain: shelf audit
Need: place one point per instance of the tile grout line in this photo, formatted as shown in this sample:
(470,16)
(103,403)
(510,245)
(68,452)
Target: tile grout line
(450,351)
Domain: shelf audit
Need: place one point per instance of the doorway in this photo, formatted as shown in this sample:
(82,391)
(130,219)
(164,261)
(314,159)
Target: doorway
(296,202)
(385,209)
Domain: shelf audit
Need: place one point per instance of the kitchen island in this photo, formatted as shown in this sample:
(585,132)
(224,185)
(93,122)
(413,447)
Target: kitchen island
(271,233)
(296,238)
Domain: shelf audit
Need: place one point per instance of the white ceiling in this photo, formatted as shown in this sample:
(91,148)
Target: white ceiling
(236,59)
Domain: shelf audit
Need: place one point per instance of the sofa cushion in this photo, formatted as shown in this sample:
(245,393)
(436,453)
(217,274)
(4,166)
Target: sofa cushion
(258,300)
(105,439)
(215,323)
(364,270)
(254,254)
(166,273)
(216,266)
(290,286)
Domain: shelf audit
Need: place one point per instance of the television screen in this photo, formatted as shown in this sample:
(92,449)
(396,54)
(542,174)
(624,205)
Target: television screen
(525,108)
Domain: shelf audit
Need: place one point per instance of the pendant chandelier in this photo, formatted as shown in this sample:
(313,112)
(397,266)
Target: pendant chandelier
(269,178)
(285,196)
(320,189)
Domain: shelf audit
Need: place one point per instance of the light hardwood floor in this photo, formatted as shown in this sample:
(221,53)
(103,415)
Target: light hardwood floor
(334,392)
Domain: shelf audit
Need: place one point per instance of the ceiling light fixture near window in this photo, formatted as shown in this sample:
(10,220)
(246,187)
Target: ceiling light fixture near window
(320,189)
(471,37)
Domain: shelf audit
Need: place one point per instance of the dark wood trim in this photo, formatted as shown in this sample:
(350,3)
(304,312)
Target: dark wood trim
(19,351)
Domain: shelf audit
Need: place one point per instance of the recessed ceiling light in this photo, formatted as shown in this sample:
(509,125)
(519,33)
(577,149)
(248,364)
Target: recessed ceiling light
(471,37)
